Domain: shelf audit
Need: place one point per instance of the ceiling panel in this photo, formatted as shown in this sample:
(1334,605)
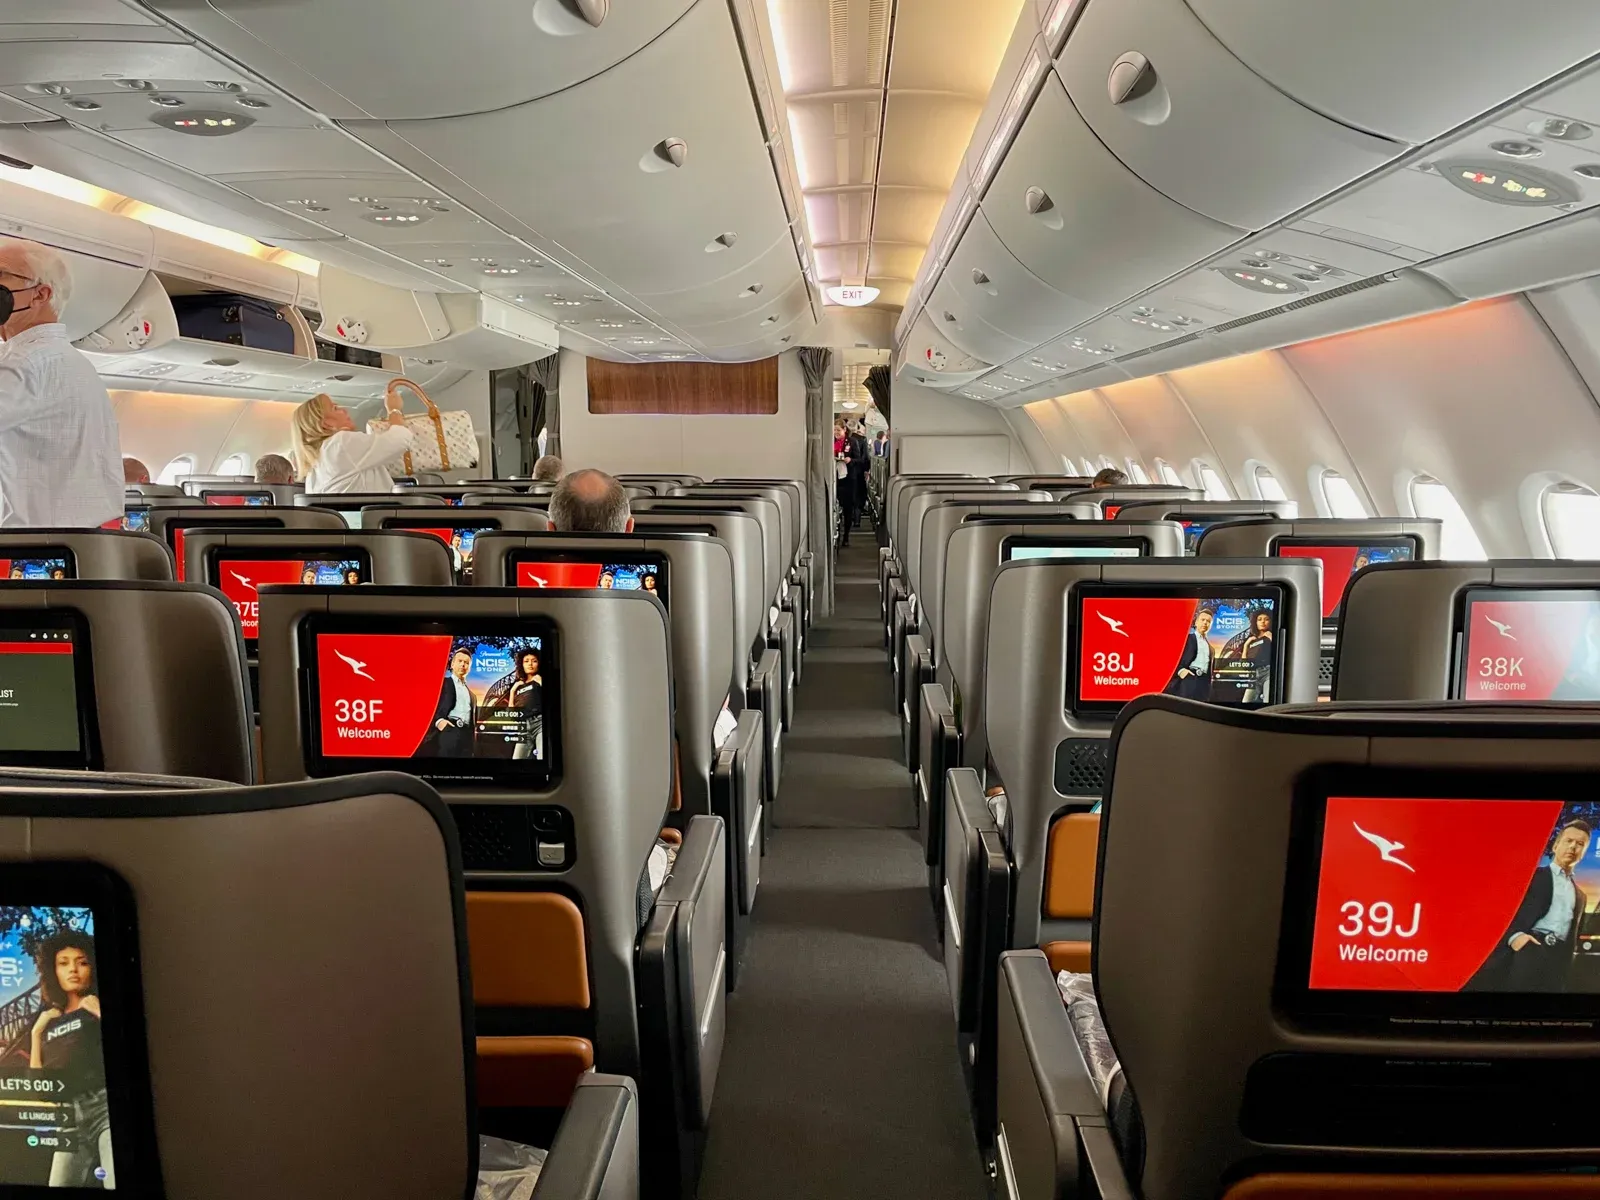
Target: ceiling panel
(430,60)
(924,137)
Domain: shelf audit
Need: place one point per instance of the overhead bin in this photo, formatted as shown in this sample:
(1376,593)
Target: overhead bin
(1497,179)
(1072,214)
(1004,294)
(1410,70)
(1188,117)
(742,291)
(935,361)
(959,321)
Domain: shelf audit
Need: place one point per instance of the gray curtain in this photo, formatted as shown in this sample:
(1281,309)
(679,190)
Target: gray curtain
(814,362)
(547,374)
(517,413)
(877,385)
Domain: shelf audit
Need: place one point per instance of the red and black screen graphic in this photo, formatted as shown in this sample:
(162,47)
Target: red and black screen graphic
(238,580)
(175,531)
(1222,646)
(1111,511)
(1340,562)
(461,539)
(609,572)
(1451,895)
(1530,646)
(431,695)
(237,499)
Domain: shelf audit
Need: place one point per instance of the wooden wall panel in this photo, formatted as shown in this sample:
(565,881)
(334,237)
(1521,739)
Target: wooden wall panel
(685,389)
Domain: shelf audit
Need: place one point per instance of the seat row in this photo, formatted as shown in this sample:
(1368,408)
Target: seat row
(582,738)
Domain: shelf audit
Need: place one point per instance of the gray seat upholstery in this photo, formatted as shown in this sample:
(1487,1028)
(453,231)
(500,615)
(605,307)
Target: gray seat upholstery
(230,494)
(1128,493)
(170,522)
(95,553)
(397,556)
(1325,1107)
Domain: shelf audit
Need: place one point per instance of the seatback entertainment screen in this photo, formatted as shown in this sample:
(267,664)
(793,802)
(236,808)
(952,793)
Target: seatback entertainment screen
(43,562)
(1015,549)
(462,539)
(607,570)
(1111,511)
(46,691)
(1222,643)
(464,701)
(1536,644)
(238,573)
(1342,559)
(136,519)
(175,530)
(237,499)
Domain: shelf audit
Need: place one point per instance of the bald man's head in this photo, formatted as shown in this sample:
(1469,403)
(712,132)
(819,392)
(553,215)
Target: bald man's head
(590,502)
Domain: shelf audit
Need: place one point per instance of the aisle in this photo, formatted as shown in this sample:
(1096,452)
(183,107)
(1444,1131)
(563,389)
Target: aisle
(839,1078)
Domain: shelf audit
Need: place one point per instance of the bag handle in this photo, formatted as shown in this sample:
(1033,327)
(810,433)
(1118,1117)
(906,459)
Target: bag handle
(392,393)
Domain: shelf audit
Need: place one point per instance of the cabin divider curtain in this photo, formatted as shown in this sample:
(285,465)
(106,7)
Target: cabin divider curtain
(814,362)
(547,376)
(877,385)
(516,406)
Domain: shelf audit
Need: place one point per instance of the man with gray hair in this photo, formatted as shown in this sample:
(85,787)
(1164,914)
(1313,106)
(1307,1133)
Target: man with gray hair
(590,502)
(274,468)
(547,469)
(60,449)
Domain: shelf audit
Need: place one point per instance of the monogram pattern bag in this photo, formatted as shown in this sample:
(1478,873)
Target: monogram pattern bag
(440,441)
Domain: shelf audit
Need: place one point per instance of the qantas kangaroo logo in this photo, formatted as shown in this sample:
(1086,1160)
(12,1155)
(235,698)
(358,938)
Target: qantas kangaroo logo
(356,668)
(1505,629)
(1386,848)
(537,580)
(1116,625)
(241,579)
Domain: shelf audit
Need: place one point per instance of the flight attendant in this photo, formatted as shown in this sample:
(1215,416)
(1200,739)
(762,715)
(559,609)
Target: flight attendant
(333,456)
(66,1039)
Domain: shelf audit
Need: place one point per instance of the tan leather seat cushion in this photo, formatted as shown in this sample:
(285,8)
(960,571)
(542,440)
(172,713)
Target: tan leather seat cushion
(527,950)
(1410,1187)
(530,1072)
(1070,865)
(1067,956)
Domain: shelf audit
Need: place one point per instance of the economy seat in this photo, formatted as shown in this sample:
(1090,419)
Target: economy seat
(350,505)
(890,566)
(455,525)
(805,555)
(139,872)
(1199,516)
(83,554)
(1344,546)
(591,951)
(1069,644)
(1365,1029)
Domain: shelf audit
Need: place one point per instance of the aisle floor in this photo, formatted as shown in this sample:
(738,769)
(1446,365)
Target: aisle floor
(840,1077)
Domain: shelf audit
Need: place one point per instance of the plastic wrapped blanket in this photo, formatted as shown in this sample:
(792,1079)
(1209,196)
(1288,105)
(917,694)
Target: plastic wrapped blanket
(1083,1010)
(506,1170)
(662,859)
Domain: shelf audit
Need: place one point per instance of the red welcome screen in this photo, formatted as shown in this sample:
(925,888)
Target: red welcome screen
(630,575)
(1532,648)
(1339,563)
(1111,511)
(238,580)
(237,499)
(1216,648)
(1441,895)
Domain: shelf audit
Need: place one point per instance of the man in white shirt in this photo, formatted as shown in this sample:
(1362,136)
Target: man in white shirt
(1535,955)
(1193,676)
(60,450)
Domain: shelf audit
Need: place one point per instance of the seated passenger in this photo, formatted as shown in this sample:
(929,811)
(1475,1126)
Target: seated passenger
(134,471)
(548,469)
(1109,478)
(334,457)
(274,468)
(590,501)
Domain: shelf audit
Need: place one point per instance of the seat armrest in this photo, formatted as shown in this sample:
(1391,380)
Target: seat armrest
(595,1155)
(938,749)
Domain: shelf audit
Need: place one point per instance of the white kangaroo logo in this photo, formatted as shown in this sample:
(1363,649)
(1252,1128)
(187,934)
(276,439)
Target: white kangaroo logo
(358,668)
(1116,625)
(242,579)
(1505,630)
(1386,848)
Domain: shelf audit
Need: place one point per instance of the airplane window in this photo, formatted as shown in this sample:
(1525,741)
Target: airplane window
(176,469)
(1168,475)
(1572,519)
(232,465)
(1068,466)
(1136,472)
(1211,482)
(1430,498)
(1340,498)
(1106,463)
(1268,487)
(1089,468)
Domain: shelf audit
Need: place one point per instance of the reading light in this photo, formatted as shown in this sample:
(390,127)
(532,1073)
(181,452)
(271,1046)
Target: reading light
(251,102)
(83,105)
(851,297)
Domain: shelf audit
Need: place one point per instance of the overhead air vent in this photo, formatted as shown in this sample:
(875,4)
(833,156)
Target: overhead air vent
(665,155)
(723,241)
(1038,203)
(565,18)
(1348,289)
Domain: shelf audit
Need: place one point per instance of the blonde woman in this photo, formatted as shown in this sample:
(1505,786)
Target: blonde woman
(333,457)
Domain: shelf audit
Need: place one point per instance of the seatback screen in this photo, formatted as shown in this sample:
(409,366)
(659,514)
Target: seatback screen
(237,574)
(237,499)
(605,570)
(136,519)
(1017,549)
(46,691)
(175,530)
(1529,645)
(462,539)
(1342,559)
(1222,644)
(1111,511)
(42,562)
(467,701)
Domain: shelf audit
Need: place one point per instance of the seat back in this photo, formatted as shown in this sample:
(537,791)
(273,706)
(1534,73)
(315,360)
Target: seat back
(83,554)
(192,484)
(698,593)
(1338,866)
(1198,516)
(1506,630)
(143,491)
(1048,747)
(741,534)
(766,509)
(267,886)
(977,550)
(155,680)
(1047,482)
(171,523)
(246,495)
(567,856)
(539,500)
(900,524)
(899,482)
(944,518)
(796,491)
(351,505)
(917,508)
(456,527)
(1112,499)
(454,493)
(763,568)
